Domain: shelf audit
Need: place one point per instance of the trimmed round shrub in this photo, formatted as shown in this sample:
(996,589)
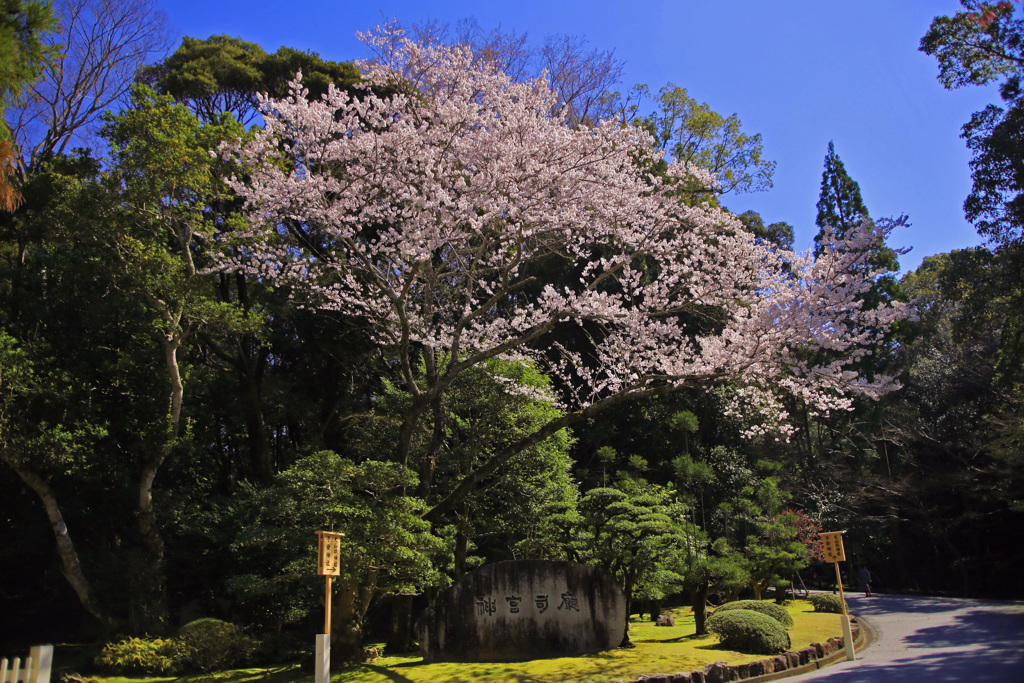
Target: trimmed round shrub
(212,645)
(776,612)
(750,632)
(139,656)
(826,602)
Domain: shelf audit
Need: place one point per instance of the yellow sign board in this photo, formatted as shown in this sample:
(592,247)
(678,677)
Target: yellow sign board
(833,546)
(329,562)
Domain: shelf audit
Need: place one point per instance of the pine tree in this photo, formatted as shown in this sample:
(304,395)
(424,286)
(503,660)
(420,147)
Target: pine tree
(840,205)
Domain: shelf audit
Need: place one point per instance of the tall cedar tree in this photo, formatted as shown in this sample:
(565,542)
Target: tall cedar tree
(839,204)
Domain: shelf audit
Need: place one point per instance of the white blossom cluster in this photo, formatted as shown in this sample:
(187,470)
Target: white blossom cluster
(445,205)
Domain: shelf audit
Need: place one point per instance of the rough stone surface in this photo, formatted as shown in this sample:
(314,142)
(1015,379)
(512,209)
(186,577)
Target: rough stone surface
(716,673)
(665,620)
(521,610)
(697,677)
(682,678)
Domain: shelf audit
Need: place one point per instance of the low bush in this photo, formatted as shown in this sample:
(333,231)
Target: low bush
(750,632)
(826,602)
(776,612)
(139,656)
(212,645)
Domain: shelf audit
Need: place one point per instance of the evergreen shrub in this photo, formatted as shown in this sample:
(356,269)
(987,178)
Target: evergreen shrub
(776,612)
(139,656)
(211,645)
(826,602)
(750,632)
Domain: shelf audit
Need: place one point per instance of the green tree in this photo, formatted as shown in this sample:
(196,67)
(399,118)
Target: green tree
(23,55)
(387,547)
(773,550)
(956,469)
(227,74)
(980,45)
(778,234)
(634,531)
(23,52)
(691,132)
(840,206)
(42,429)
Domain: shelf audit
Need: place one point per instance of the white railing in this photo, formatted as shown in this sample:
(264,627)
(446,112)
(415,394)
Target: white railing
(35,668)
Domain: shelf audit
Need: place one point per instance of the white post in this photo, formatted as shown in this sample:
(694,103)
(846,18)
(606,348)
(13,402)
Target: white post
(42,663)
(848,639)
(15,670)
(323,658)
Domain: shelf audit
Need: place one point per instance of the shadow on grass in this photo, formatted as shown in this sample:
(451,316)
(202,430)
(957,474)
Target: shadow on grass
(280,674)
(676,639)
(386,672)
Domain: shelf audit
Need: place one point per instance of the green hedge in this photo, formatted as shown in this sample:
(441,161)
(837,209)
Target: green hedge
(747,631)
(212,645)
(201,645)
(139,656)
(826,602)
(776,612)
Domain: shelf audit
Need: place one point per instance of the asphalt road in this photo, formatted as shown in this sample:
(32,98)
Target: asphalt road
(933,640)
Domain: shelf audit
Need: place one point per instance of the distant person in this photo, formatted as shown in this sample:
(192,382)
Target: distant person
(865,580)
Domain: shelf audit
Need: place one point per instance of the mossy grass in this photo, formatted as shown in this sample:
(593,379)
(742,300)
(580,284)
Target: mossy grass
(659,650)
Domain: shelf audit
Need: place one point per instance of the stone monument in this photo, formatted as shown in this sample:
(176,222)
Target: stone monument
(524,609)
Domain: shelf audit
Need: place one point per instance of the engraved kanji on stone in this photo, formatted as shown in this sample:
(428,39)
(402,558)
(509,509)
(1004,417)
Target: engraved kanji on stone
(569,601)
(486,606)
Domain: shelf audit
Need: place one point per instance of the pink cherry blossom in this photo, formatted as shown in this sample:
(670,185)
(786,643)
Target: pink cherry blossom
(432,212)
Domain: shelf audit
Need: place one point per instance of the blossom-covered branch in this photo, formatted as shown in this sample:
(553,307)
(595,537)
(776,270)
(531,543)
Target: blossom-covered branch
(464,221)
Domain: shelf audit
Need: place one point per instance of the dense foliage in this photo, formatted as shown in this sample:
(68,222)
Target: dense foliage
(748,631)
(776,612)
(827,602)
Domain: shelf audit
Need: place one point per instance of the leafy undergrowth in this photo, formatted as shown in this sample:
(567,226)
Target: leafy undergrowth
(658,650)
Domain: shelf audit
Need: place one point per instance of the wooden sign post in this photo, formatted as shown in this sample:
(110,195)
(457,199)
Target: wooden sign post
(328,565)
(835,553)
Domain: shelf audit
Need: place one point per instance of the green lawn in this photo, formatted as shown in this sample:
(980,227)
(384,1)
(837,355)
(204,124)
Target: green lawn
(658,650)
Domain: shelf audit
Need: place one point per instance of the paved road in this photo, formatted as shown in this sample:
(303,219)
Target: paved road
(933,640)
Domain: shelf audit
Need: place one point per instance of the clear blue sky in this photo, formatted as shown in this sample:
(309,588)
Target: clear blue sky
(800,72)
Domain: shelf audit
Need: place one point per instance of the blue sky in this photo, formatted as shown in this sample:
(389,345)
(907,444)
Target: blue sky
(800,73)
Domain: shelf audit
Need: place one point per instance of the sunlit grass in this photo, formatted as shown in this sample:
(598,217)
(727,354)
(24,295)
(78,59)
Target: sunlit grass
(658,650)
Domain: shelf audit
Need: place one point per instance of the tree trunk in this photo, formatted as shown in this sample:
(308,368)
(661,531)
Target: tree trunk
(70,565)
(401,638)
(461,549)
(260,458)
(627,589)
(347,617)
(155,597)
(698,600)
(655,606)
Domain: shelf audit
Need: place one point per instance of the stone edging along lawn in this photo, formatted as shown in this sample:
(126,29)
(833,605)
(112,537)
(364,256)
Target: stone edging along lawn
(815,656)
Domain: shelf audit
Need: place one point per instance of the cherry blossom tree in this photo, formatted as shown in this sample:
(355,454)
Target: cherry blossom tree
(437,213)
